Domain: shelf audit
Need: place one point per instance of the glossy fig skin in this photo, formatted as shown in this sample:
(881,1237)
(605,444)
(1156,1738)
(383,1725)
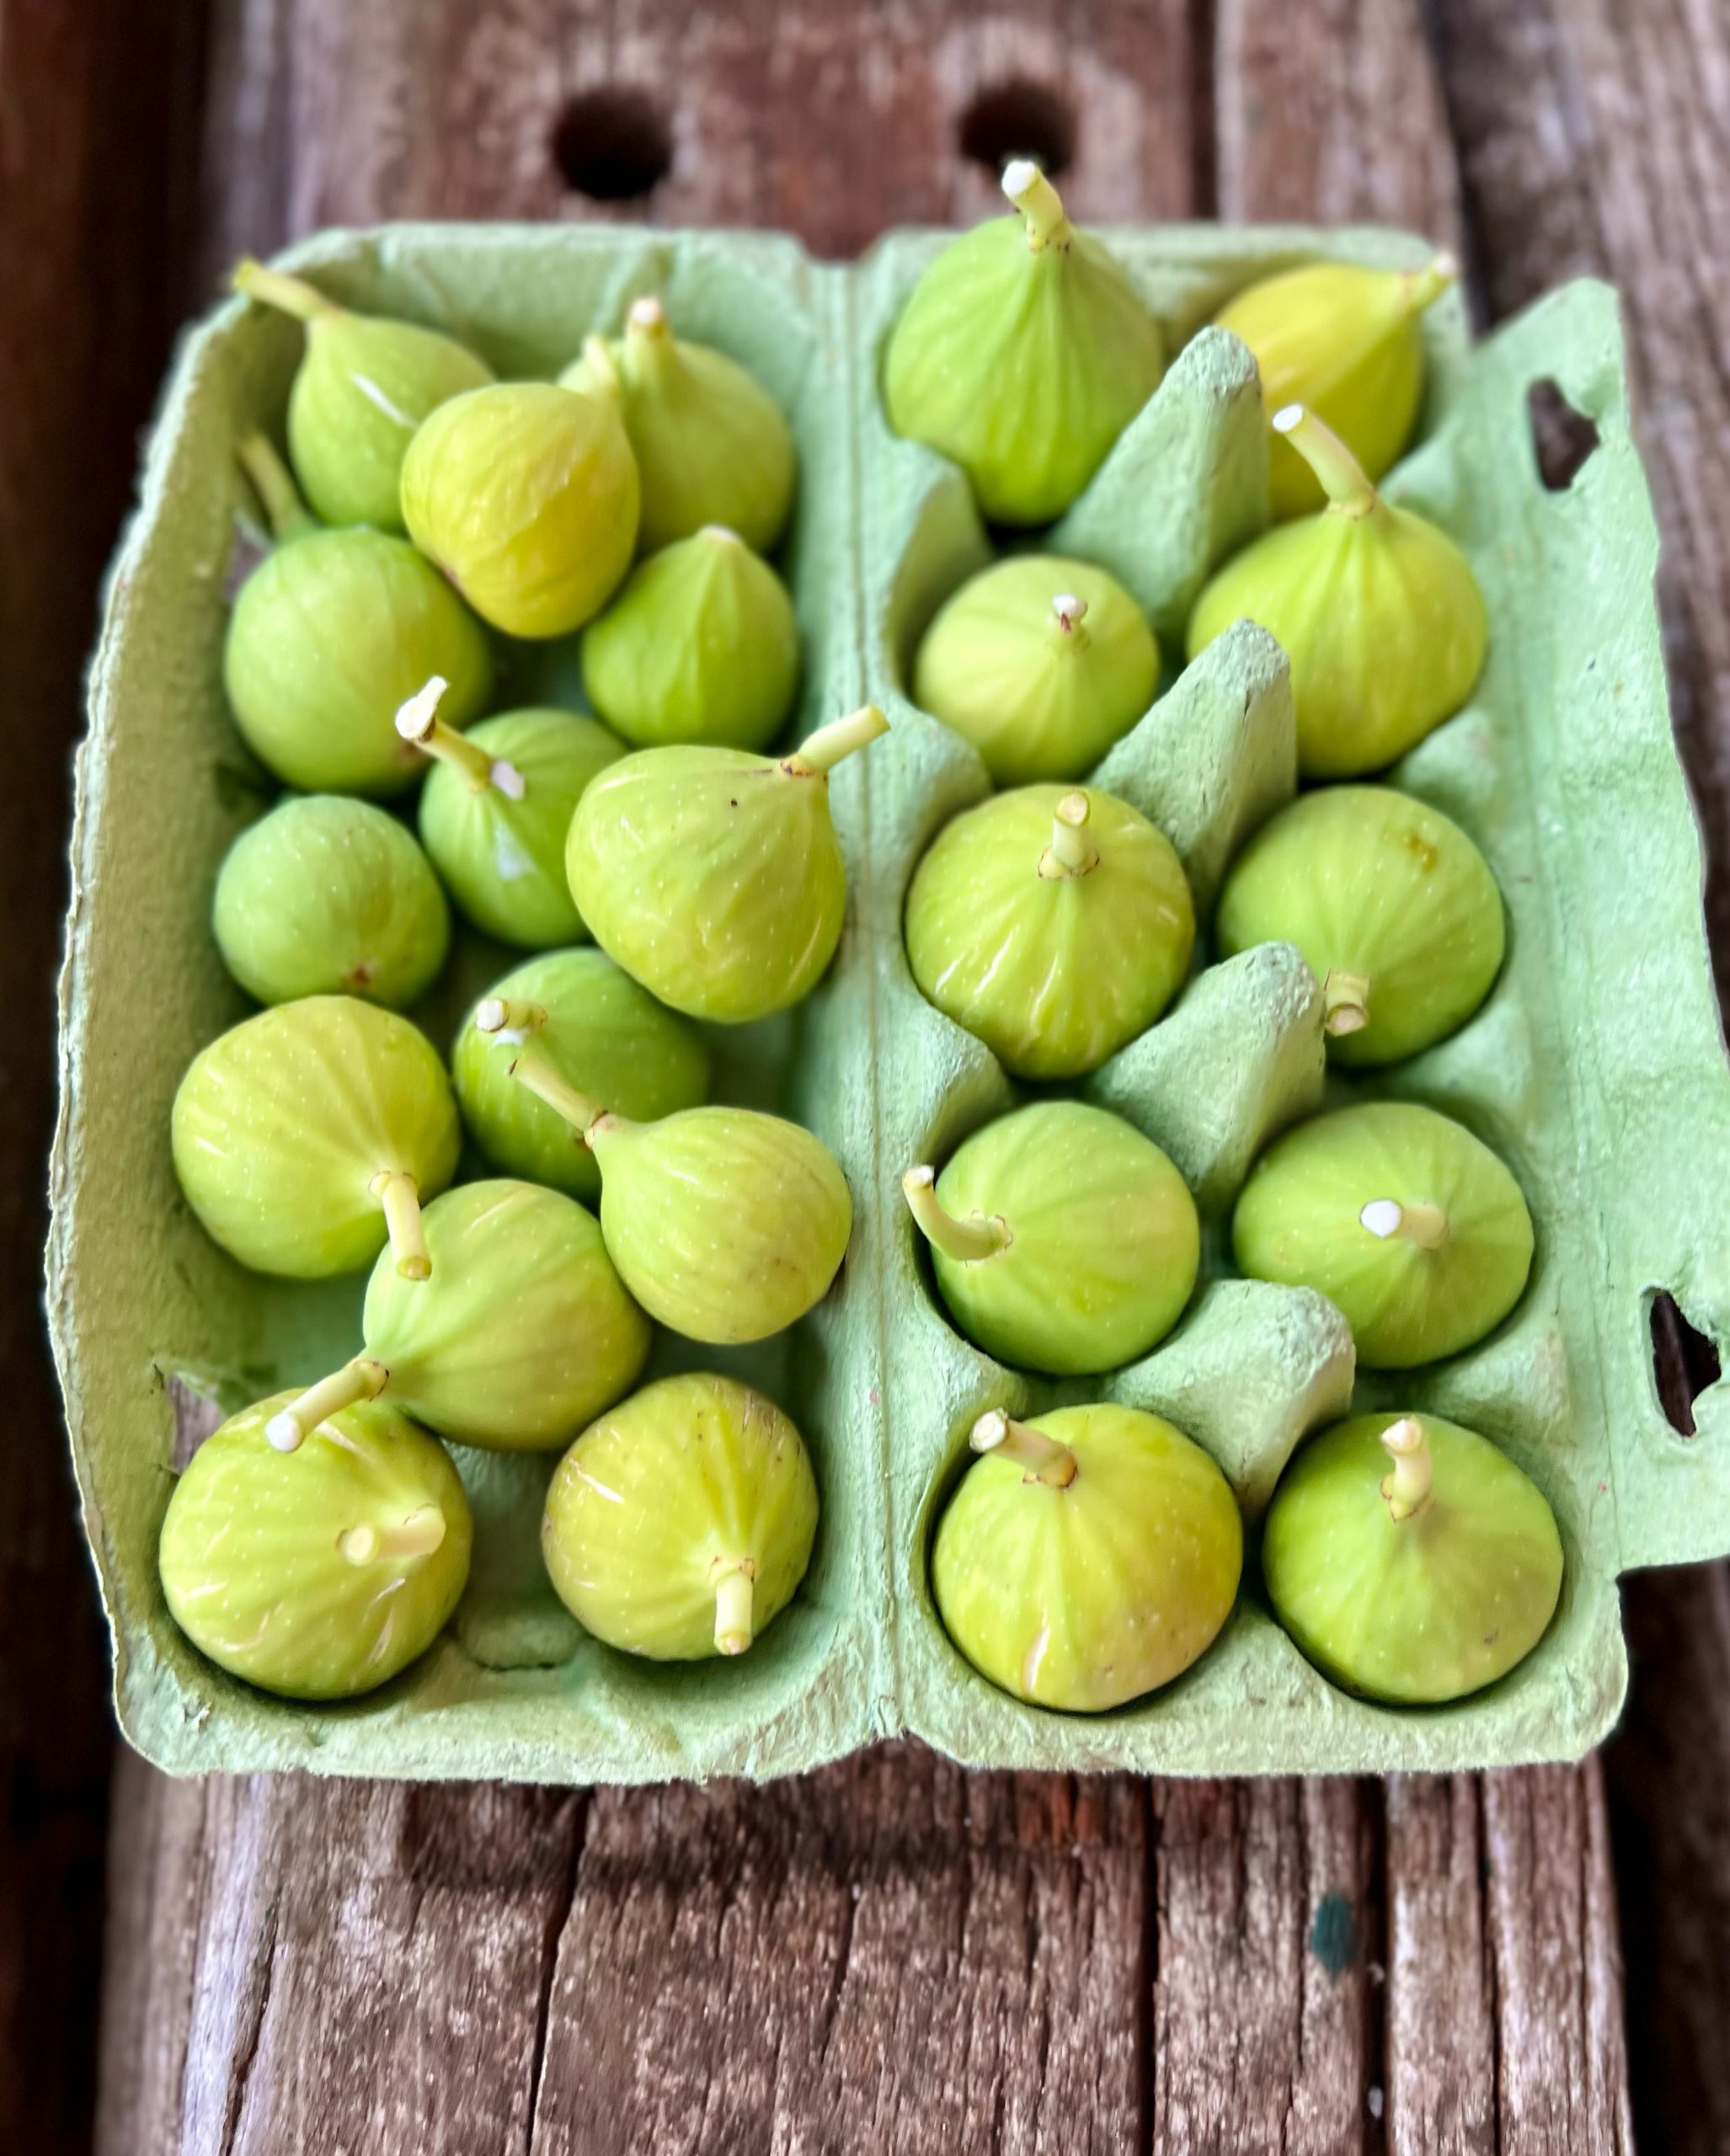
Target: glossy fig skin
(1419,1610)
(1053,972)
(282,1124)
(1394,910)
(701,646)
(252,1553)
(1083,1597)
(526,496)
(1040,695)
(1104,1241)
(500,849)
(606,1037)
(658,1499)
(1299,1221)
(726,1224)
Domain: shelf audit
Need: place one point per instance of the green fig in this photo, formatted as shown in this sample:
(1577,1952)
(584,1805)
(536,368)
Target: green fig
(1410,1559)
(328,634)
(496,806)
(1022,354)
(306,1137)
(1348,342)
(1411,1226)
(714,876)
(318,1577)
(596,1031)
(522,1334)
(679,1525)
(709,439)
(1055,926)
(1062,1239)
(1377,610)
(526,496)
(1090,1556)
(1042,664)
(1393,907)
(699,646)
(328,896)
(363,387)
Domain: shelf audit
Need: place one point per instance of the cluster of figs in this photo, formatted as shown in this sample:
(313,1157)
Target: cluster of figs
(668,864)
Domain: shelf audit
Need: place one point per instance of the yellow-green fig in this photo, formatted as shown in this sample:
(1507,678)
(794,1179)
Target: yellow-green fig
(714,876)
(699,646)
(318,1578)
(679,1525)
(1056,926)
(1090,1556)
(1349,343)
(1377,610)
(307,1136)
(1022,354)
(1410,1559)
(526,496)
(364,384)
(1062,1239)
(1042,664)
(709,439)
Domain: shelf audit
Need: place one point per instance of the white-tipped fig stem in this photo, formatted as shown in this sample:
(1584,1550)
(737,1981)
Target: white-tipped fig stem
(1346,1001)
(733,1578)
(416,1536)
(648,338)
(502,1014)
(1041,1458)
(1038,202)
(364,1379)
(532,1067)
(820,752)
(1068,613)
(1425,1225)
(1425,286)
(285,513)
(1343,480)
(968,1239)
(276,288)
(399,1194)
(1071,852)
(418,721)
(1406,1489)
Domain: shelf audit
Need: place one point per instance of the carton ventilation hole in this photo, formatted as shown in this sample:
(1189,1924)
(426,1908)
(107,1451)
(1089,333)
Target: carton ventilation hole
(1562,438)
(1017,118)
(611,145)
(1684,1362)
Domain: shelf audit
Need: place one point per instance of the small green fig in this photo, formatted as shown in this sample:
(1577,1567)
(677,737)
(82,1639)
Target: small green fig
(328,634)
(1411,1226)
(306,1137)
(526,496)
(522,1334)
(709,439)
(1062,1239)
(1042,664)
(1410,1559)
(1377,610)
(699,646)
(1349,343)
(363,387)
(1393,907)
(588,1025)
(679,1525)
(497,806)
(1090,1556)
(328,896)
(1022,354)
(1055,926)
(714,876)
(318,1577)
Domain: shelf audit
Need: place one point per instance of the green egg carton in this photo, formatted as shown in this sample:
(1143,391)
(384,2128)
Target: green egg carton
(1596,1068)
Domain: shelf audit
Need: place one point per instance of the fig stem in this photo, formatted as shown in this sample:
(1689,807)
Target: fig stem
(968,1239)
(399,1193)
(1038,202)
(1343,479)
(597,357)
(1426,1226)
(1345,998)
(285,513)
(648,338)
(1425,286)
(416,1536)
(818,754)
(733,1578)
(1068,612)
(1407,1488)
(1042,1458)
(363,1378)
(276,288)
(513,1014)
(418,722)
(1071,852)
(532,1067)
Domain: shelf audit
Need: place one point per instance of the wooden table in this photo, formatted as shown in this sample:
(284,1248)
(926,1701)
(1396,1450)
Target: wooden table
(891,1955)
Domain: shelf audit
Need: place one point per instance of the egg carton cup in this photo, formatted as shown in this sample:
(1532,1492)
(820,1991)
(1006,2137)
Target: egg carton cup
(1596,1068)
